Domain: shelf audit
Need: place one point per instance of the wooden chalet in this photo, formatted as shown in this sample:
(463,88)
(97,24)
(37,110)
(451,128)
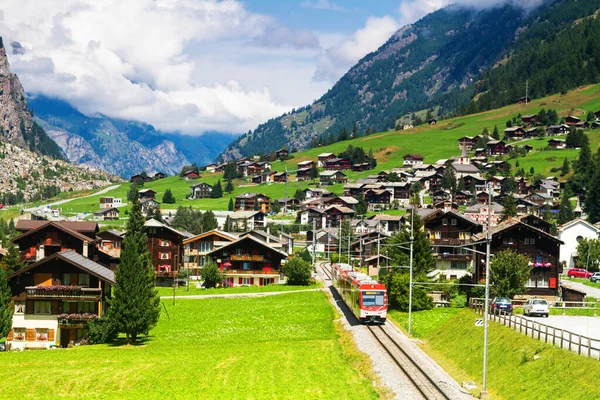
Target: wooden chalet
(165,245)
(338,164)
(531,120)
(55,298)
(557,144)
(467,142)
(146,194)
(413,159)
(280,177)
(361,167)
(541,248)
(200,190)
(249,261)
(334,215)
(147,205)
(514,133)
(159,175)
(313,217)
(554,130)
(253,202)
(242,221)
(197,248)
(496,147)
(189,175)
(282,154)
(136,178)
(323,158)
(571,120)
(306,164)
(107,214)
(303,174)
(332,177)
(377,198)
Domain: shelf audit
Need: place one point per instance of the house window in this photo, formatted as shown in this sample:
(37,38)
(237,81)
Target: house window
(164,256)
(42,307)
(165,243)
(117,245)
(458,265)
(66,307)
(41,334)
(246,266)
(18,334)
(66,279)
(84,280)
(19,307)
(246,281)
(507,240)
(82,333)
(453,221)
(86,307)
(201,261)
(529,240)
(238,252)
(445,221)
(438,235)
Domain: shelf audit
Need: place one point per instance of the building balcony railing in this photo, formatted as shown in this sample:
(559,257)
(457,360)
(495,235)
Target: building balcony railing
(449,241)
(63,292)
(163,274)
(453,257)
(247,258)
(75,320)
(250,272)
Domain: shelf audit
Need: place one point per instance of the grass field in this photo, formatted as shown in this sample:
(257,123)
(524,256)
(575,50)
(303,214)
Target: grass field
(519,367)
(193,291)
(285,347)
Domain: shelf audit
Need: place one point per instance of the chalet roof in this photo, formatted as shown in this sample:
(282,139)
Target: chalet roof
(200,184)
(531,129)
(386,217)
(223,234)
(353,185)
(144,201)
(263,236)
(424,212)
(106,211)
(506,225)
(465,168)
(513,129)
(453,214)
(142,191)
(152,223)
(331,173)
(322,155)
(375,257)
(78,261)
(312,209)
(318,190)
(493,142)
(414,157)
(114,232)
(565,126)
(243,214)
(348,199)
(342,209)
(556,140)
(476,208)
(306,162)
(57,224)
(253,239)
(78,226)
(250,195)
(575,222)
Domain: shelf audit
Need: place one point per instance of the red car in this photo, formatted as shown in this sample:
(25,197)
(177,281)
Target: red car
(1,206)
(578,273)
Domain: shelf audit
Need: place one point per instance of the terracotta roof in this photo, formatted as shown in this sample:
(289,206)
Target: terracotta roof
(25,225)
(62,225)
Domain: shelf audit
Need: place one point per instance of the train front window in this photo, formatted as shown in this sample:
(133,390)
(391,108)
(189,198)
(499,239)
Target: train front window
(372,298)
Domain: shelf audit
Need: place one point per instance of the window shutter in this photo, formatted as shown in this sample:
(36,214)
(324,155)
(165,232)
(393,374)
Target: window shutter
(170,255)
(240,280)
(51,335)
(29,307)
(252,281)
(159,255)
(10,335)
(30,335)
(54,307)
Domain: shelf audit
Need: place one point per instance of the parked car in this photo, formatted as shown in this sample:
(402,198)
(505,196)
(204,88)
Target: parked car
(579,273)
(536,307)
(595,277)
(501,304)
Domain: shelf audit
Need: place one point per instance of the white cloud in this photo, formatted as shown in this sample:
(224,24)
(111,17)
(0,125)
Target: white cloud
(143,60)
(336,60)
(322,5)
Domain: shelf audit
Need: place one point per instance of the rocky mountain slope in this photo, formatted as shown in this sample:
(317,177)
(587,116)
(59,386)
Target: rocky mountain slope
(455,59)
(16,121)
(122,147)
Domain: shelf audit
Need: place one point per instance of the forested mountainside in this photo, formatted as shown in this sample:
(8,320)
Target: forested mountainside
(455,60)
(16,120)
(122,147)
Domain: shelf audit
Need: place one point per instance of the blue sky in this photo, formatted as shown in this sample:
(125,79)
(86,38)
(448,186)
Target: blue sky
(192,66)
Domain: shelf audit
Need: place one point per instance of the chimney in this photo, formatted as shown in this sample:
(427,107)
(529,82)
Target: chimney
(85,249)
(40,252)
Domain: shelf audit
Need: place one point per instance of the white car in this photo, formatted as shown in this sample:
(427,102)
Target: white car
(536,307)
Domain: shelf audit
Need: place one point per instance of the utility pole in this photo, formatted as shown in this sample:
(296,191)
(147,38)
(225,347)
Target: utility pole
(410,284)
(313,243)
(328,241)
(487,290)
(378,252)
(340,243)
(526,91)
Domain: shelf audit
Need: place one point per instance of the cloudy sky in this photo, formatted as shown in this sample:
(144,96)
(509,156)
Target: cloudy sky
(195,65)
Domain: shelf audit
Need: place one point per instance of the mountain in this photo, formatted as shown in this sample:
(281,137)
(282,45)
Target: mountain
(17,124)
(455,60)
(122,147)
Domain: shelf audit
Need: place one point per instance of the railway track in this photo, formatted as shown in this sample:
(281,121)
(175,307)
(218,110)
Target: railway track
(326,272)
(423,383)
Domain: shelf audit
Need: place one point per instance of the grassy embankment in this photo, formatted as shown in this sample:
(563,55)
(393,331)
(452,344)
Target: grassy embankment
(283,347)
(519,367)
(193,291)
(433,142)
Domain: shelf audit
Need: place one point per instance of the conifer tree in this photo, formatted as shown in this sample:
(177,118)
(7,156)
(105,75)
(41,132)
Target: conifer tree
(592,199)
(6,306)
(168,197)
(12,261)
(229,186)
(314,172)
(209,221)
(495,133)
(227,226)
(217,190)
(423,261)
(510,207)
(565,214)
(565,167)
(135,306)
(231,206)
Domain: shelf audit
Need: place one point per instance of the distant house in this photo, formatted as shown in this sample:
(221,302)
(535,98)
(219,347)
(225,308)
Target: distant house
(531,120)
(136,178)
(360,167)
(146,194)
(287,202)
(310,215)
(165,246)
(306,164)
(334,215)
(413,159)
(514,133)
(432,122)
(200,191)
(252,202)
(337,164)
(467,142)
(376,198)
(479,213)
(523,100)
(496,147)
(324,157)
(211,167)
(315,193)
(332,177)
(532,132)
(557,143)
(159,175)
(188,175)
(107,214)
(110,202)
(571,120)
(554,130)
(303,174)
(282,154)
(247,220)
(148,204)
(280,177)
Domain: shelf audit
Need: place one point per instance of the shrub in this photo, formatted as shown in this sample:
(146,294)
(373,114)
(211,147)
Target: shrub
(297,271)
(101,330)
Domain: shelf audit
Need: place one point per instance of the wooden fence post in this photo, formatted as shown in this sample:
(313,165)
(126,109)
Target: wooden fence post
(562,338)
(579,347)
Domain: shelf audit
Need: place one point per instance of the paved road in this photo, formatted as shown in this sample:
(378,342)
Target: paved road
(56,203)
(590,291)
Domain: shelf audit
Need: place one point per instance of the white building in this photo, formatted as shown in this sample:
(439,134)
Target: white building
(571,234)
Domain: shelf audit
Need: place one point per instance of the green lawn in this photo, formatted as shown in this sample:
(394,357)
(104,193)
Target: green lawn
(452,339)
(193,291)
(284,347)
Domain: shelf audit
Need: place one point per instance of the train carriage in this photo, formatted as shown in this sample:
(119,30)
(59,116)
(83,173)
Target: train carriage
(366,297)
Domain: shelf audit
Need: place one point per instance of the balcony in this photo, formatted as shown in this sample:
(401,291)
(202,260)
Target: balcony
(247,258)
(162,274)
(63,292)
(448,241)
(453,257)
(272,272)
(75,320)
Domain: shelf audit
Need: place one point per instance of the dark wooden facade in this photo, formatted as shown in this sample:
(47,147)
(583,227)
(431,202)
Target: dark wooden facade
(166,250)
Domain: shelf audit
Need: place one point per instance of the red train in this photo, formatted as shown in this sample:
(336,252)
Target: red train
(366,297)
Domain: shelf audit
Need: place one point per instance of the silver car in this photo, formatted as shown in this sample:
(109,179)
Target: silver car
(536,307)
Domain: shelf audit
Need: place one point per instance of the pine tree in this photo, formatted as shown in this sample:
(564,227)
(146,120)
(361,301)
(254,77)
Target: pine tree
(361,207)
(565,214)
(565,167)
(423,261)
(135,306)
(133,193)
(510,208)
(229,186)
(217,190)
(227,226)
(314,172)
(532,170)
(592,199)
(168,197)
(583,168)
(495,133)
(209,221)
(12,261)
(6,306)
(231,205)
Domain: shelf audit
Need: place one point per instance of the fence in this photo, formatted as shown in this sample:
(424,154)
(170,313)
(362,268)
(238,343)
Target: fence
(582,345)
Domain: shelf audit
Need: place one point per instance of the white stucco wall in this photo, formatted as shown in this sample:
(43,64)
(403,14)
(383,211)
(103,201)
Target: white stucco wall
(30,321)
(569,236)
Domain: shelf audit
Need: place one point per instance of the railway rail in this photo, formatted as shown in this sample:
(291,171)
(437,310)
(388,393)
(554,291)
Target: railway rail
(424,384)
(326,272)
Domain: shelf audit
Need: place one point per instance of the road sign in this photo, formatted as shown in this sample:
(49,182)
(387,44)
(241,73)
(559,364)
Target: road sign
(479,322)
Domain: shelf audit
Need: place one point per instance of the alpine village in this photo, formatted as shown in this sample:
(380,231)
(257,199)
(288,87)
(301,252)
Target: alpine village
(427,228)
